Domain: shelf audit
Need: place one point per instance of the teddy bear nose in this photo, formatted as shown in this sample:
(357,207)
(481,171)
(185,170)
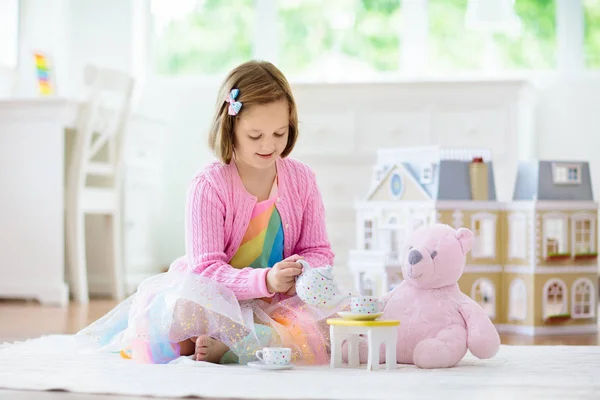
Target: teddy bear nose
(414,257)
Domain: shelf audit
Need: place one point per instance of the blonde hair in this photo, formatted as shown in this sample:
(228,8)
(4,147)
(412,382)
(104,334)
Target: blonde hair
(258,82)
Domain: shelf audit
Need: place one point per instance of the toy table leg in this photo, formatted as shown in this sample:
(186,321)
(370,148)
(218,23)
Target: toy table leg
(390,348)
(353,351)
(336,347)
(374,342)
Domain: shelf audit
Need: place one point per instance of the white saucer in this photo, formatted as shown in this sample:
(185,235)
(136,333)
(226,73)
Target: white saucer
(359,317)
(272,367)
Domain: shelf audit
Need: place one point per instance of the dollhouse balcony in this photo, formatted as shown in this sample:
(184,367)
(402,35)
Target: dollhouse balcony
(361,259)
(367,258)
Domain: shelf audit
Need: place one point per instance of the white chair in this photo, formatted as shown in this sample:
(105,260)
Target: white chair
(94,178)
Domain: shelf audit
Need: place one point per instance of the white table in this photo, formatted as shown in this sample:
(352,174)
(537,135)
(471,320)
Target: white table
(32,170)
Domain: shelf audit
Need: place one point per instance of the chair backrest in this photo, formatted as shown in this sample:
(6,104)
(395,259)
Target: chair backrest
(100,127)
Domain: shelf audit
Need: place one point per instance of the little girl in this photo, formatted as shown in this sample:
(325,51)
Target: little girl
(249,218)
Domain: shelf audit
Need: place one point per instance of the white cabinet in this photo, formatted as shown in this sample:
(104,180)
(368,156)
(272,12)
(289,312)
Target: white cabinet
(33,151)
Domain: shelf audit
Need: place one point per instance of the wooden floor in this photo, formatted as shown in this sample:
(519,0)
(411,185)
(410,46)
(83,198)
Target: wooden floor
(20,320)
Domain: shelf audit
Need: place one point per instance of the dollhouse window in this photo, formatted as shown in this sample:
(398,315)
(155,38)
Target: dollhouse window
(396,185)
(368,229)
(518,300)
(583,235)
(555,236)
(517,241)
(484,229)
(555,298)
(484,294)
(427,175)
(583,302)
(566,173)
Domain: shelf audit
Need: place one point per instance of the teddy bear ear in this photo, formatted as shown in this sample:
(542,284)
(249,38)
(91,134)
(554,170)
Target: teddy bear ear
(465,238)
(417,223)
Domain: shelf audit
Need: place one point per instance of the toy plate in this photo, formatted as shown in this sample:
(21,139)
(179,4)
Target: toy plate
(359,317)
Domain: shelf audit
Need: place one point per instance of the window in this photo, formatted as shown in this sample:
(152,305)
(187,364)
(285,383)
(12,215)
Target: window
(338,39)
(9,34)
(427,175)
(484,229)
(521,39)
(201,37)
(518,300)
(555,298)
(517,241)
(555,236)
(368,229)
(393,227)
(484,294)
(583,235)
(591,10)
(566,174)
(583,302)
(396,185)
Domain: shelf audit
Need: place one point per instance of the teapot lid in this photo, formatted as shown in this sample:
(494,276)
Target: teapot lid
(325,272)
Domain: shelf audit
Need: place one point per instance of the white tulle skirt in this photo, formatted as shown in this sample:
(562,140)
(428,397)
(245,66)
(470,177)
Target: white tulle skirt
(174,306)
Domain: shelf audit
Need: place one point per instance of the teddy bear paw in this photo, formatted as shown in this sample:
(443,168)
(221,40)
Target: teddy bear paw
(433,353)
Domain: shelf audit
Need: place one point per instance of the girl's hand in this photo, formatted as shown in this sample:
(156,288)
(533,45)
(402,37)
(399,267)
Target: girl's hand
(282,277)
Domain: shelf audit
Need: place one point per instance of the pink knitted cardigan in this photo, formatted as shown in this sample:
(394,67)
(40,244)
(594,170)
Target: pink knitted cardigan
(218,213)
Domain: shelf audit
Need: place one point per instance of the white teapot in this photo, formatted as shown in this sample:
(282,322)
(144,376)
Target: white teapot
(317,287)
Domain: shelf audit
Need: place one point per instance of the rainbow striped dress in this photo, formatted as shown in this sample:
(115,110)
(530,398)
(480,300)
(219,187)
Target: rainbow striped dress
(262,244)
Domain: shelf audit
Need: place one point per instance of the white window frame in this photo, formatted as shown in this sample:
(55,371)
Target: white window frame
(368,244)
(570,54)
(517,284)
(592,303)
(565,293)
(580,218)
(427,174)
(555,216)
(560,173)
(483,216)
(9,34)
(516,249)
(477,284)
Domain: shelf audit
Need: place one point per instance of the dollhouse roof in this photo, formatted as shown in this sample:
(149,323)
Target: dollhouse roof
(454,181)
(450,177)
(553,180)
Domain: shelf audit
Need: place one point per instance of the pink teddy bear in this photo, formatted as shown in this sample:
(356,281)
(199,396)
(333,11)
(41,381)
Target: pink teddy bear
(438,323)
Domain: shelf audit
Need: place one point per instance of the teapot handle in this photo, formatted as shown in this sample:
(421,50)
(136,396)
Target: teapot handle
(305,265)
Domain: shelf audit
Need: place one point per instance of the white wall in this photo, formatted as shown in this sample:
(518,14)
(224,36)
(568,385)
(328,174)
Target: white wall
(567,121)
(73,33)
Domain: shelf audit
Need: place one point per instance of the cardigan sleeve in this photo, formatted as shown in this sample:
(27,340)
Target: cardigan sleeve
(205,244)
(313,243)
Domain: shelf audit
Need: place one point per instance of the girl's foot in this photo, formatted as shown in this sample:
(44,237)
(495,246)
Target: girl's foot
(209,349)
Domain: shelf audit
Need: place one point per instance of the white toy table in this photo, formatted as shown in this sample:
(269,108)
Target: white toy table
(377,332)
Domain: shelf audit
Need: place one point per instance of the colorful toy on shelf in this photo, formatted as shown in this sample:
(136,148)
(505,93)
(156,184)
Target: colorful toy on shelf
(44,74)
(533,267)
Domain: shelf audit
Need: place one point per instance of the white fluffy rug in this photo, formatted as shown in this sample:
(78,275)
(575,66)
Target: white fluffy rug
(54,362)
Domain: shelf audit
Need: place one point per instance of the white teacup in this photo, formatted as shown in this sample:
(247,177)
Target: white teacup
(365,305)
(275,355)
